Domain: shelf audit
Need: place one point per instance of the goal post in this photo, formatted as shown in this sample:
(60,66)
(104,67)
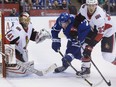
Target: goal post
(2,46)
(7,51)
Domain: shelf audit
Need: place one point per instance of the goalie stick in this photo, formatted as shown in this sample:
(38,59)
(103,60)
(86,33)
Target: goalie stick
(33,70)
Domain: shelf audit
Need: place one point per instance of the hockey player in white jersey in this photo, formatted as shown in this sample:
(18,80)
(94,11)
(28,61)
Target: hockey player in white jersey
(20,34)
(103,29)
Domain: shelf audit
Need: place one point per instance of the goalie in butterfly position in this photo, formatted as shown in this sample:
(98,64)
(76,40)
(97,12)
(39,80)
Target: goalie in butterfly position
(20,34)
(75,38)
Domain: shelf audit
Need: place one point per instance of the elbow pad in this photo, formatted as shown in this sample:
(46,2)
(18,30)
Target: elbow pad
(78,19)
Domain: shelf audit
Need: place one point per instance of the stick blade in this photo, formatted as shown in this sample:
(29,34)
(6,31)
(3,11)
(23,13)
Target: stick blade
(50,68)
(109,83)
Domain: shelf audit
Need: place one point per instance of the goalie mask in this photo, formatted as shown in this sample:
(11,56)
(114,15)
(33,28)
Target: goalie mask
(24,19)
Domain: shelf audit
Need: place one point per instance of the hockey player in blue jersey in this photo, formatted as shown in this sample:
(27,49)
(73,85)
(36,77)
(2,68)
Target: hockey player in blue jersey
(64,22)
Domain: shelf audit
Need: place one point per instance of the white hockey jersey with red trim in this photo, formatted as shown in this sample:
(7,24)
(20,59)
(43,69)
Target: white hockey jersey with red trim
(24,36)
(101,20)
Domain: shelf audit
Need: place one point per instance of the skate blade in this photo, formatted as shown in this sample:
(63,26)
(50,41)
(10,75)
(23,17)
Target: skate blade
(83,76)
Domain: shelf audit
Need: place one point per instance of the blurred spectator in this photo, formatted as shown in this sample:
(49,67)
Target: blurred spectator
(113,2)
(42,3)
(29,4)
(101,1)
(14,12)
(6,1)
(58,4)
(9,1)
(108,7)
(105,6)
(81,1)
(64,4)
(53,4)
(69,2)
(72,9)
(38,4)
(25,5)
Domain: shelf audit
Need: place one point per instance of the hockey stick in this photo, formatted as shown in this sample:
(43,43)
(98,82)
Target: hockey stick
(108,83)
(75,69)
(33,70)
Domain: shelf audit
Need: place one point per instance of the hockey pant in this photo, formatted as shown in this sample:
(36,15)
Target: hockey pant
(107,48)
(72,51)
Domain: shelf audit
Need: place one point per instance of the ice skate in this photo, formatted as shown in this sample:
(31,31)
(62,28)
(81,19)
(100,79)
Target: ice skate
(85,72)
(60,69)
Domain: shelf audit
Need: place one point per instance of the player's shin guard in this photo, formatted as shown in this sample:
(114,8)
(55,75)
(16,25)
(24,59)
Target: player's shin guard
(85,68)
(67,59)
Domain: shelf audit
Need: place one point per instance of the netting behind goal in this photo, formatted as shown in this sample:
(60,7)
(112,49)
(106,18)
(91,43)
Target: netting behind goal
(2,34)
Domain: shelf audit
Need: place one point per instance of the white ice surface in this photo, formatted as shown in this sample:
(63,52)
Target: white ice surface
(44,56)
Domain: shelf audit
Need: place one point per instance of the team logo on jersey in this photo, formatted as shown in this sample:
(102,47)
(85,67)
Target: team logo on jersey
(97,16)
(107,46)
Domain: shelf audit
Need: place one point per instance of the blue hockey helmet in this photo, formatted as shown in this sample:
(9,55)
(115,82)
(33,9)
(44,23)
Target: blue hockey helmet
(63,17)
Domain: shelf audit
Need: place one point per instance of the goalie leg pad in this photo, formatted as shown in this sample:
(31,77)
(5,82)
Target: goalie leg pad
(14,70)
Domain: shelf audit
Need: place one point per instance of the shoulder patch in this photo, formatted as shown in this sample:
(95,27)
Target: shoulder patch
(97,16)
(83,6)
(18,28)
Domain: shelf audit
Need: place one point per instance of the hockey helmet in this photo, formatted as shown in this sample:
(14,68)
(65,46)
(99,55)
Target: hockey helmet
(64,17)
(91,1)
(24,18)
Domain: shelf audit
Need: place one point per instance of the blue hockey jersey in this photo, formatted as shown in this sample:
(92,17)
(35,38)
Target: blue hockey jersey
(73,45)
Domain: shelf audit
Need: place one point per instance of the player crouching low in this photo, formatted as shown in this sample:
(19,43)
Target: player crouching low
(20,34)
(75,40)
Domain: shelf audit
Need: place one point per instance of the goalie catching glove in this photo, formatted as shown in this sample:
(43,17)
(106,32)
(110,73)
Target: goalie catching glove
(42,35)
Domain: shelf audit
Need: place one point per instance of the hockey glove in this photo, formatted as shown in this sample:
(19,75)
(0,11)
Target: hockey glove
(56,44)
(42,35)
(73,33)
(87,51)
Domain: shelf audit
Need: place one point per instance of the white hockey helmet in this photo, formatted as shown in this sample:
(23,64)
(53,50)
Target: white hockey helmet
(91,1)
(24,18)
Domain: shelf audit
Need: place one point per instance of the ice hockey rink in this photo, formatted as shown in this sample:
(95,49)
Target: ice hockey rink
(44,56)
